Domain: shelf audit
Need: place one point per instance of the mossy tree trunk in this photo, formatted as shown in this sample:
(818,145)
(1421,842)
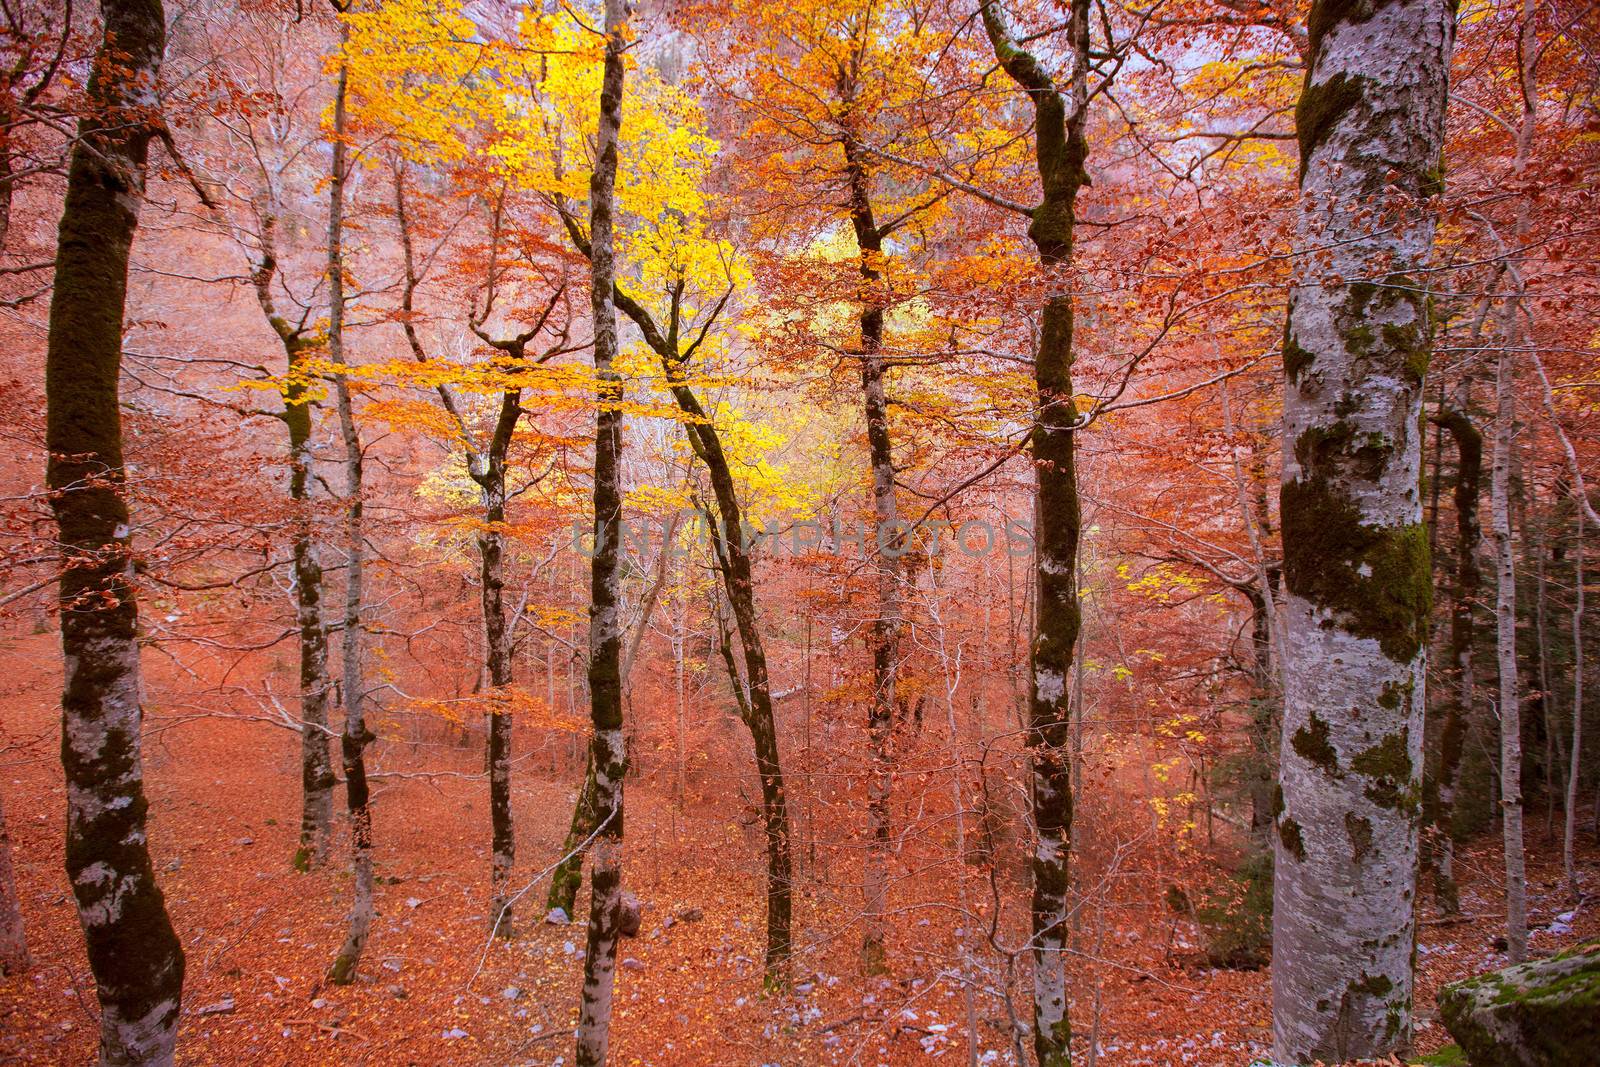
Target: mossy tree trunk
(607,750)
(356,737)
(1459,696)
(136,958)
(567,878)
(1370,123)
(1061,151)
(317,779)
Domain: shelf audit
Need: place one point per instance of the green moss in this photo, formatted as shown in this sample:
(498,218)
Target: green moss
(1413,345)
(1293,841)
(1374,580)
(1312,744)
(1321,106)
(1295,358)
(1432,183)
(1359,829)
(1388,765)
(1546,1011)
(1372,985)
(1396,695)
(1449,1056)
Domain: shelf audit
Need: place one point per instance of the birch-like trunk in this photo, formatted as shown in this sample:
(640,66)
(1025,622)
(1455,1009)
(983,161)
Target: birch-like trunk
(1575,766)
(605,620)
(353,743)
(1061,151)
(14,958)
(1463,636)
(1505,620)
(135,956)
(1370,123)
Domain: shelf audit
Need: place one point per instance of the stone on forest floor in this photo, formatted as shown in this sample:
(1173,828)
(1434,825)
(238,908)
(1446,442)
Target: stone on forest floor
(1545,1013)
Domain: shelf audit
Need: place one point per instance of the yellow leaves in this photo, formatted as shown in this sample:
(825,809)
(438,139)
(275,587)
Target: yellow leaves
(524,707)
(416,68)
(1161,582)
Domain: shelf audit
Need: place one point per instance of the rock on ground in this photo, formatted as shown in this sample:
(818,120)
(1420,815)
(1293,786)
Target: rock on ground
(1545,1013)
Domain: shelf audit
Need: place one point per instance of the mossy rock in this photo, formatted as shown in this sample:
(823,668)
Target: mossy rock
(1540,1014)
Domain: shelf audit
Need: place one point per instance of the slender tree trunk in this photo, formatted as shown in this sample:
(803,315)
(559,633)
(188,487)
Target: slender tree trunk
(1505,612)
(486,467)
(356,736)
(497,646)
(567,878)
(135,956)
(733,560)
(317,779)
(1575,765)
(1370,123)
(1061,152)
(608,756)
(1463,635)
(14,957)
(886,550)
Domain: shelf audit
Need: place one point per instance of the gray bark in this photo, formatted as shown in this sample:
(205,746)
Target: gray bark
(356,736)
(1370,124)
(1505,617)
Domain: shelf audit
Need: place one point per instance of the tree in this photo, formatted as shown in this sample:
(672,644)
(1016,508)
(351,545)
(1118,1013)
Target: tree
(608,756)
(1459,699)
(1370,127)
(1060,152)
(137,960)
(352,685)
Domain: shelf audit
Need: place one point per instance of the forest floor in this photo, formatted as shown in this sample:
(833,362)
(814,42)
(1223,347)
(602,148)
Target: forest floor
(259,937)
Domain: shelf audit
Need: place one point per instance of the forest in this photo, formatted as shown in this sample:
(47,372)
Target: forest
(996,532)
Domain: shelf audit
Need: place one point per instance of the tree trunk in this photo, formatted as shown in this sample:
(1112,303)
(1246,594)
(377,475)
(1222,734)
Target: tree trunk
(1463,632)
(1575,766)
(356,737)
(497,647)
(316,766)
(487,467)
(733,561)
(1370,123)
(886,549)
(1505,614)
(605,622)
(14,957)
(135,956)
(1061,151)
(568,875)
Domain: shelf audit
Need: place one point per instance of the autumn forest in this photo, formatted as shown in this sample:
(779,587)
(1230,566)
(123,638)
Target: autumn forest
(875,532)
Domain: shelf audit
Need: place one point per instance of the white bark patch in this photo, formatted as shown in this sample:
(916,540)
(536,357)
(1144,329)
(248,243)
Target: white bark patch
(1049,685)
